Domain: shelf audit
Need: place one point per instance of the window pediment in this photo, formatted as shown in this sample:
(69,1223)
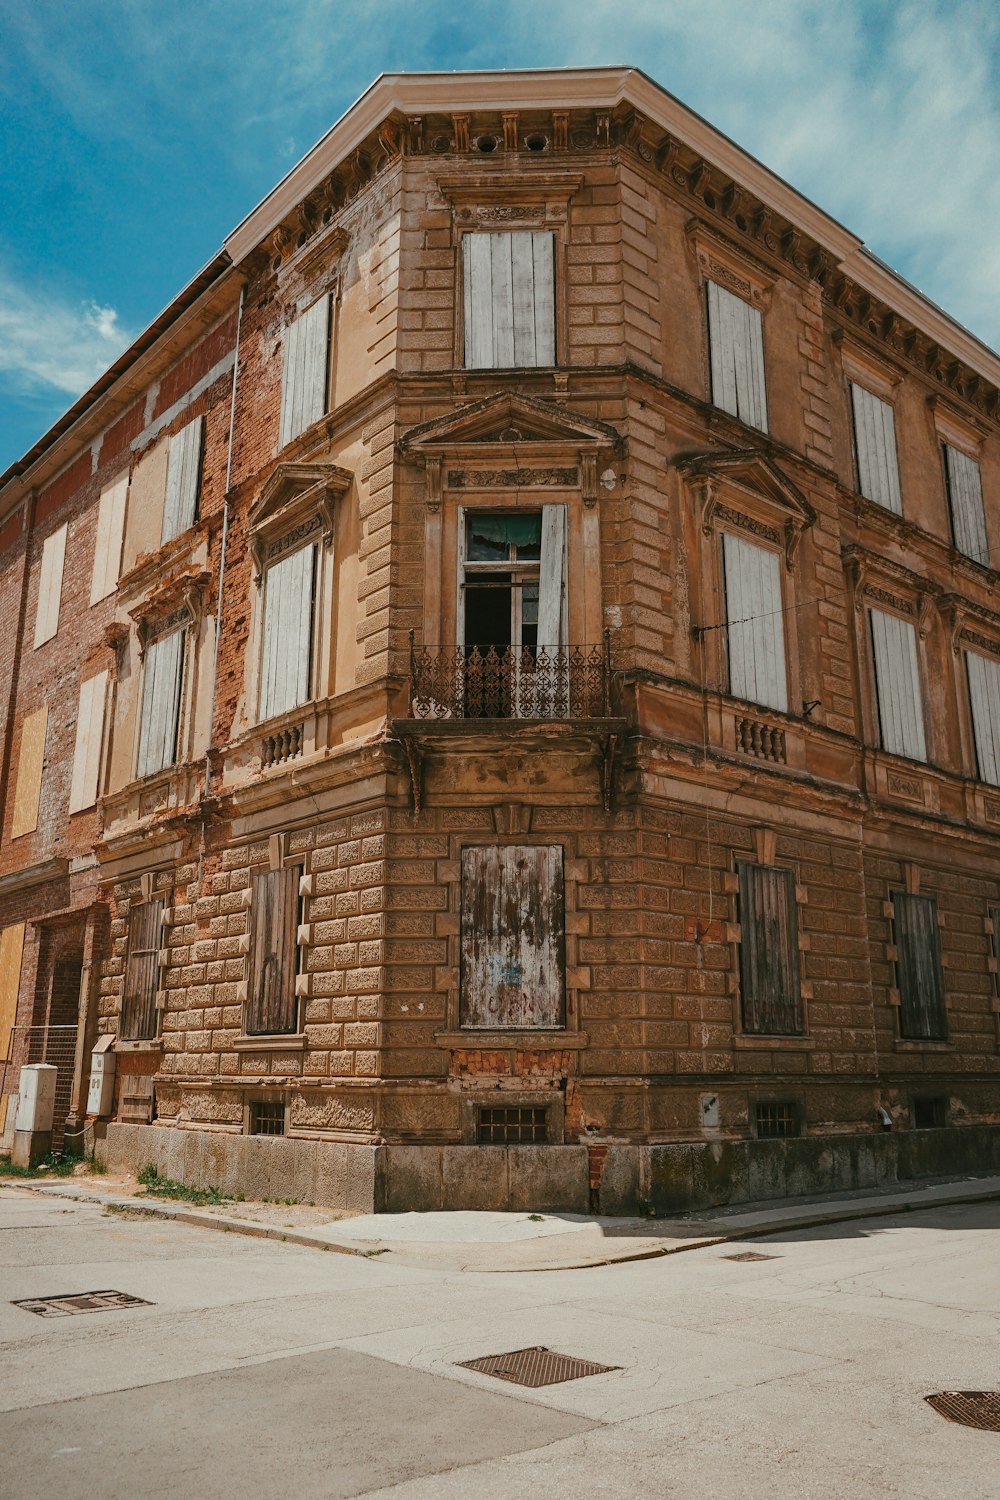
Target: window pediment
(297,498)
(881,583)
(178,605)
(746,490)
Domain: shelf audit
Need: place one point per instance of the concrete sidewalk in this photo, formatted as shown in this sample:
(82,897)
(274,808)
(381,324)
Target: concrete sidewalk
(497,1242)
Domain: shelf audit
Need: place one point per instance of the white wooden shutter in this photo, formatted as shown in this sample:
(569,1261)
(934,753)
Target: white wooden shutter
(305,370)
(50,586)
(756,624)
(183,479)
(509,282)
(965,495)
(552,579)
(286,666)
(984,695)
(161,701)
(89,740)
(897,679)
(736,346)
(875,446)
(108,546)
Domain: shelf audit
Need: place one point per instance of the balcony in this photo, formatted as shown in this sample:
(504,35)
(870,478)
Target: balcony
(512,682)
(486,698)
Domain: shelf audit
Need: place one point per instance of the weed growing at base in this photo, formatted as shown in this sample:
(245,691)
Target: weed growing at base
(165,1187)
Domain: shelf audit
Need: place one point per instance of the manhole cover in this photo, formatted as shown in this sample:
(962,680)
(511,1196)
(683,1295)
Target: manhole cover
(750,1255)
(79,1302)
(535,1367)
(972,1408)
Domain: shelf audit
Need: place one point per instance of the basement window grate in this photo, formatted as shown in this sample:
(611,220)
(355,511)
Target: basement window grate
(751,1255)
(536,1366)
(80,1302)
(969,1408)
(930,1113)
(776,1120)
(267,1117)
(507,1125)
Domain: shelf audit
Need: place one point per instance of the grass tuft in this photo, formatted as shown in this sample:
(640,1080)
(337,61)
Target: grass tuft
(53,1165)
(166,1187)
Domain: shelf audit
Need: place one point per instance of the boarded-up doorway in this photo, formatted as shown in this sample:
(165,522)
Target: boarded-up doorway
(513,937)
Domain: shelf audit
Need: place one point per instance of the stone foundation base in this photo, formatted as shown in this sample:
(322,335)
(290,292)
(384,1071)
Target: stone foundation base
(620,1178)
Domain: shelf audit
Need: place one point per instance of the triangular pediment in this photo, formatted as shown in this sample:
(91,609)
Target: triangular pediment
(754,473)
(291,482)
(507,418)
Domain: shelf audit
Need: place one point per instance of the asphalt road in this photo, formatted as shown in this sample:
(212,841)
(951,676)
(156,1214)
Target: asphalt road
(264,1369)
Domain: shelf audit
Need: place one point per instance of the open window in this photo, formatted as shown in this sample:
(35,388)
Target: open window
(512,610)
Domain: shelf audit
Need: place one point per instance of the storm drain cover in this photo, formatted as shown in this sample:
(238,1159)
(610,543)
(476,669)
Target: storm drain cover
(750,1255)
(535,1367)
(971,1408)
(79,1302)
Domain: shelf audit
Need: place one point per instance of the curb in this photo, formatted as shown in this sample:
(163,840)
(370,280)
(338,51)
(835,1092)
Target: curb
(246,1227)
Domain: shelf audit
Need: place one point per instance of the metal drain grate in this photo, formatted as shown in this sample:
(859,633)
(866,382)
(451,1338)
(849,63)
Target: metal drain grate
(79,1302)
(971,1408)
(750,1255)
(535,1367)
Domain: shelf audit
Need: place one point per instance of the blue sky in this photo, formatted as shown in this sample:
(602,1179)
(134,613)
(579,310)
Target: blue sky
(136,133)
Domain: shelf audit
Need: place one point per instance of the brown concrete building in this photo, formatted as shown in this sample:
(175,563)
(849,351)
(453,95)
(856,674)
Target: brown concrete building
(502,684)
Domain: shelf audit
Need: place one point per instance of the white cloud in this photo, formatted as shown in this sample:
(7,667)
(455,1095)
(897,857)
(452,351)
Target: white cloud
(47,340)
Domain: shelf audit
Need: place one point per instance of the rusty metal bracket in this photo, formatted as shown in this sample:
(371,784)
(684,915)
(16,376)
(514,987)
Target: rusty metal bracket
(415,764)
(610,759)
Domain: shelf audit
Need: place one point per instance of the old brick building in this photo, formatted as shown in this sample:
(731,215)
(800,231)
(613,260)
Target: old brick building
(501,684)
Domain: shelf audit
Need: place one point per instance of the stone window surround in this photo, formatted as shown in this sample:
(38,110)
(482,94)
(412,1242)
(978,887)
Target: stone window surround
(512,201)
(716,259)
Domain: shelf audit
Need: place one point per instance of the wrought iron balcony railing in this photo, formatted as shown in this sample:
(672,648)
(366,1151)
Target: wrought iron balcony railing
(512,682)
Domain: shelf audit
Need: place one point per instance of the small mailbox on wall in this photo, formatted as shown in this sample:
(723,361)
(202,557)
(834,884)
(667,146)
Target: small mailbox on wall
(101,1093)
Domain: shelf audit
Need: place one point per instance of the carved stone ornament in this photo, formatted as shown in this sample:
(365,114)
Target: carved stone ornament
(178,606)
(765,503)
(970,625)
(296,501)
(875,578)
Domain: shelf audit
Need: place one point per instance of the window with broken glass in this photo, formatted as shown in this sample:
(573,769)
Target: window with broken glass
(275,911)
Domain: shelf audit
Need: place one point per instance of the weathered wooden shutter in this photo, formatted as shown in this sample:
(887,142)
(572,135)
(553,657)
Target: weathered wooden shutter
(965,497)
(305,372)
(286,668)
(756,624)
(180,505)
(897,680)
(11,951)
(30,763)
(875,446)
(50,586)
(272,1008)
(161,700)
(984,696)
(513,937)
(736,345)
(509,282)
(769,954)
(919,977)
(108,544)
(142,971)
(89,742)
(552,579)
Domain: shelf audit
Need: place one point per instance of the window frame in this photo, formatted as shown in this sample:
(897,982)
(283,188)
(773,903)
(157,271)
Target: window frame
(467,275)
(148,1009)
(312,543)
(884,400)
(180,622)
(757,391)
(795,1001)
(909,1005)
(301,313)
(292,873)
(893,612)
(771,551)
(947,446)
(469,856)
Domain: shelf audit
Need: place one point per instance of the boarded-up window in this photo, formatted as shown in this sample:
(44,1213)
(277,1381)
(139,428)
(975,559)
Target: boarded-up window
(30,759)
(919,977)
(965,499)
(163,671)
(897,682)
(509,299)
(994,912)
(287,636)
(142,971)
(984,695)
(513,937)
(736,345)
(180,505)
(272,1007)
(89,741)
(305,372)
(11,949)
(108,544)
(875,447)
(50,586)
(755,623)
(769,953)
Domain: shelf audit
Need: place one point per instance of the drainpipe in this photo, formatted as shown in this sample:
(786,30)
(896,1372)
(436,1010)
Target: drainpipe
(222,549)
